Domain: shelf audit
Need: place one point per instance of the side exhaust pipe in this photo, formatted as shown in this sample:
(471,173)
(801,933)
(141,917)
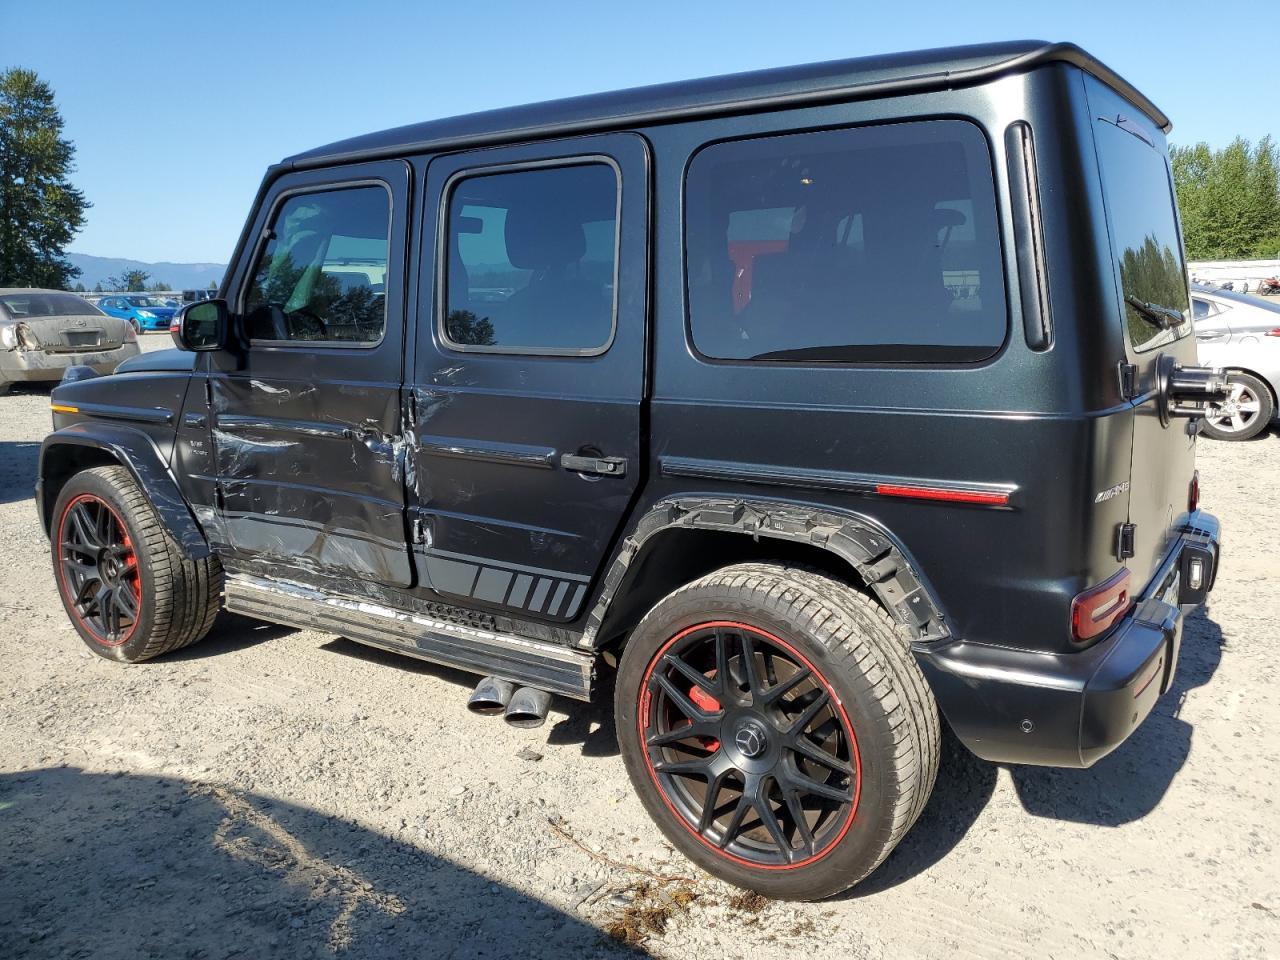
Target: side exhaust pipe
(528,708)
(491,696)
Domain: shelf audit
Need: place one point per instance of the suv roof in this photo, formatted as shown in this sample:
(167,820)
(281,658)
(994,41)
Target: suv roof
(757,90)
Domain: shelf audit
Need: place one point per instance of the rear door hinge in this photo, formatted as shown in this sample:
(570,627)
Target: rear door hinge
(1128,380)
(1125,534)
(419,530)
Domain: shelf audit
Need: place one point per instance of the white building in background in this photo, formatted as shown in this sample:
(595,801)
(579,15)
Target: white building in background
(1220,271)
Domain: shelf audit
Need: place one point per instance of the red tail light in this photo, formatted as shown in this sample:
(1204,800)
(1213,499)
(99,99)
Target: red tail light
(1095,610)
(1274,333)
(1193,492)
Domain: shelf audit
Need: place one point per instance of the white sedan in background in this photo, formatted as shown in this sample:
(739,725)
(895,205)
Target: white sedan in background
(44,332)
(1241,334)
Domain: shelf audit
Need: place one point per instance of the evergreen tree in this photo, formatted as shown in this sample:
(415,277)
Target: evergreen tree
(40,210)
(1229,199)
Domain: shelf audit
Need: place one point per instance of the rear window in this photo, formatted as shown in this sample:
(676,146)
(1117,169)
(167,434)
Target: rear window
(21,306)
(876,244)
(1144,231)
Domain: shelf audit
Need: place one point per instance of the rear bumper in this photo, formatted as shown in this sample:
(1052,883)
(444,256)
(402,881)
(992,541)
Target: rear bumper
(27,366)
(1071,710)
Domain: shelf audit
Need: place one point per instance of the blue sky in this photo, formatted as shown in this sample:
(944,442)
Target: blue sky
(177,108)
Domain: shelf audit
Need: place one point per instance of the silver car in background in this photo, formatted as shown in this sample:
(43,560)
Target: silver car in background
(43,332)
(1240,333)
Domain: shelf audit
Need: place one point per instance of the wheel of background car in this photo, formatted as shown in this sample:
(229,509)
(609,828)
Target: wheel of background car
(129,591)
(776,727)
(1245,413)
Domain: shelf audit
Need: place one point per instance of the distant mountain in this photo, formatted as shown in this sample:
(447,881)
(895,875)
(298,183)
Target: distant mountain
(178,276)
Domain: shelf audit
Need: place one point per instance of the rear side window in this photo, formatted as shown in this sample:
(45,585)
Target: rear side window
(532,260)
(322,275)
(1144,232)
(876,244)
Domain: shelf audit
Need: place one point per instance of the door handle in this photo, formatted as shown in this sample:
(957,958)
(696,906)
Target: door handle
(604,466)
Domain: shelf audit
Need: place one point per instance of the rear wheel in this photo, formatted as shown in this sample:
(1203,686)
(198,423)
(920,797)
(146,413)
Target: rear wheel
(128,589)
(1244,414)
(777,728)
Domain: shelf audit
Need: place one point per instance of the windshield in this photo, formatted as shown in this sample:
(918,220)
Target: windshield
(1144,232)
(21,306)
(145,301)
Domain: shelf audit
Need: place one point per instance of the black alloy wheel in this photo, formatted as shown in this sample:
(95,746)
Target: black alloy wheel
(99,570)
(749,745)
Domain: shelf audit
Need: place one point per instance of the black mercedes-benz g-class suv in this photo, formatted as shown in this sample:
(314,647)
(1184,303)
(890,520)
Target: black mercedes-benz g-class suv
(813,408)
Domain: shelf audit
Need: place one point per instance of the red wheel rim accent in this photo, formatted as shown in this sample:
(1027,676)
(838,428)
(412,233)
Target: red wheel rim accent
(832,832)
(97,550)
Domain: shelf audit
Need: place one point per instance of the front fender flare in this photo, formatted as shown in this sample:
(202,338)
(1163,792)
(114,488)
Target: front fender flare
(137,453)
(880,560)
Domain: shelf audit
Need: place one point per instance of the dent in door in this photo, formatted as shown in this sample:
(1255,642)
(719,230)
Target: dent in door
(264,463)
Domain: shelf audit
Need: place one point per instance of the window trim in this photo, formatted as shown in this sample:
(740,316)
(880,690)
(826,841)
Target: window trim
(264,238)
(998,202)
(442,254)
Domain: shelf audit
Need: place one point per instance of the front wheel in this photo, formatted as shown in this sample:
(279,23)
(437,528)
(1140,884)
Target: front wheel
(1244,414)
(777,728)
(129,591)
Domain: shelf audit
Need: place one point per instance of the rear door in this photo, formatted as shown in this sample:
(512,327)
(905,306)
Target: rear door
(1146,247)
(305,415)
(530,370)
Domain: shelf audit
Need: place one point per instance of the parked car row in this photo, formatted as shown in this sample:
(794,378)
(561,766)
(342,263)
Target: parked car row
(143,312)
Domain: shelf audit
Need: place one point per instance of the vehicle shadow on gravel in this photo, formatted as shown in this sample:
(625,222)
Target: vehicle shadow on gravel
(1130,783)
(18,460)
(963,789)
(231,632)
(123,866)
(1120,788)
(570,722)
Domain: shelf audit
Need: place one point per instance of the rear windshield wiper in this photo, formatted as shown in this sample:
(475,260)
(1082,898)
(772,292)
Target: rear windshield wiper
(1163,317)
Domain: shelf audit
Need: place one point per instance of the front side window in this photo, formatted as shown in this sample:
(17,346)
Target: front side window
(322,275)
(875,244)
(531,259)
(1144,233)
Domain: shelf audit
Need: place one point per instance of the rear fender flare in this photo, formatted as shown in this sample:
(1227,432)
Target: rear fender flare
(878,557)
(64,451)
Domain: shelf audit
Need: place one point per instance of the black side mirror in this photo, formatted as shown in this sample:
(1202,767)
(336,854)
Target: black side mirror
(203,326)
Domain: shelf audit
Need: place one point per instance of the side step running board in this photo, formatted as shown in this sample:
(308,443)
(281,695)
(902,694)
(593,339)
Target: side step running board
(526,662)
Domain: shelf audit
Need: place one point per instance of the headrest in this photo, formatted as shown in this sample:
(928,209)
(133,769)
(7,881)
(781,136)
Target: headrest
(540,236)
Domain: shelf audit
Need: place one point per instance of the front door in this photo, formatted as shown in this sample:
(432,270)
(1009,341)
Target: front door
(305,411)
(530,370)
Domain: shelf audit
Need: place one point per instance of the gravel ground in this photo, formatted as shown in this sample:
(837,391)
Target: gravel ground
(276,793)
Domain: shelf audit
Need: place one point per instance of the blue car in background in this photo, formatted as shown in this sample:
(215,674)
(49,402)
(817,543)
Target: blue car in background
(145,313)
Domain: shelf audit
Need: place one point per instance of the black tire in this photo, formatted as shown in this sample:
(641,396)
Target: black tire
(1244,424)
(174,600)
(842,642)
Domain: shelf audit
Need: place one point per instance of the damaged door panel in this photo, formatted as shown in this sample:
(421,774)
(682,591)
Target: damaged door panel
(305,413)
(530,370)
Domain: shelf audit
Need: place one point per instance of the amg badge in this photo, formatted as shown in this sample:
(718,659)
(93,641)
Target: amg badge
(1107,494)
